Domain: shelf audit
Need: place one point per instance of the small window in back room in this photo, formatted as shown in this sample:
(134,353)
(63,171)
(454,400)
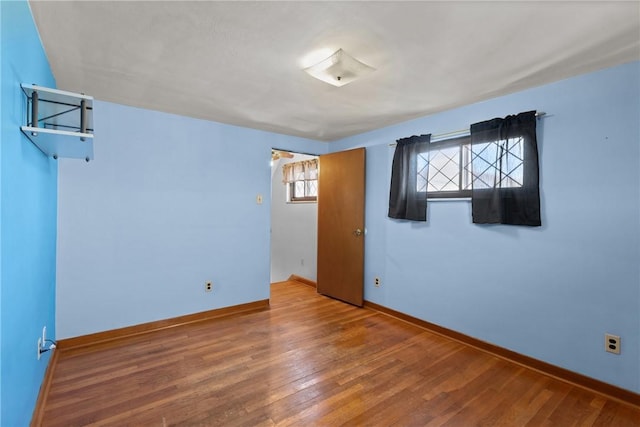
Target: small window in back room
(301,179)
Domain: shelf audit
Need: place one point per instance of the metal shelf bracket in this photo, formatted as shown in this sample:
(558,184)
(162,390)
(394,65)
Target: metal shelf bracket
(59,123)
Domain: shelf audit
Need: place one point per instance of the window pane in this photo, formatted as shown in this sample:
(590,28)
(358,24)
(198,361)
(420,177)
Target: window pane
(312,189)
(422,167)
(444,169)
(498,164)
(512,174)
(466,161)
(303,191)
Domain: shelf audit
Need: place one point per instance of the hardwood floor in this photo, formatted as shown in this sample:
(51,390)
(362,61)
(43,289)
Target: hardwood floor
(310,361)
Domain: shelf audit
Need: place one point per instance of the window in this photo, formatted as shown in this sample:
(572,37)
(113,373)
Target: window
(496,166)
(303,191)
(450,168)
(301,179)
(443,171)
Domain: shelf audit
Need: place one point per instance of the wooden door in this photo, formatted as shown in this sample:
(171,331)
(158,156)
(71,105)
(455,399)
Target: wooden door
(341,185)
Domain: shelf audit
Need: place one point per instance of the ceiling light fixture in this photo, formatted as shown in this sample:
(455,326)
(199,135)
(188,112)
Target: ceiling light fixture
(339,69)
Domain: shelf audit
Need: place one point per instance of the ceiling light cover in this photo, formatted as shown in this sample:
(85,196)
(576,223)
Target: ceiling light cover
(339,69)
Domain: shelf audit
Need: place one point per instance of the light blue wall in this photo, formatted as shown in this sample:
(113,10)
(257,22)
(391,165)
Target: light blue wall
(28,228)
(1,133)
(550,292)
(168,204)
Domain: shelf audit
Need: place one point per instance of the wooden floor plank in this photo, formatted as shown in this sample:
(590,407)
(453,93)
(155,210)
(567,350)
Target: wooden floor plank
(310,361)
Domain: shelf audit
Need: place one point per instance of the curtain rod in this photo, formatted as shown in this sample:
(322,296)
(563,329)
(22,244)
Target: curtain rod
(459,132)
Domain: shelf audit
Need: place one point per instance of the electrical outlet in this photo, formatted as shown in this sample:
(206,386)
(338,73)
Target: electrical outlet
(612,343)
(208,287)
(376,282)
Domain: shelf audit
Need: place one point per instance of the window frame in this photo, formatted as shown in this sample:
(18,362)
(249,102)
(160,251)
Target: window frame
(302,174)
(503,176)
(456,141)
(461,141)
(291,193)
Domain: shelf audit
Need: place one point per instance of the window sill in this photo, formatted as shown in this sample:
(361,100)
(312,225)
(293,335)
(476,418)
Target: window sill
(449,199)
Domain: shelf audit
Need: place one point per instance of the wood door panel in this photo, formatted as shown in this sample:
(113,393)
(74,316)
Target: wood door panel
(341,188)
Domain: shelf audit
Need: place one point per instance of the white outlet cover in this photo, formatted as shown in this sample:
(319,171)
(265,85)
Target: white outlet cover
(612,339)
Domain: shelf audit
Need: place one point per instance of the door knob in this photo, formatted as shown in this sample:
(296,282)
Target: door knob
(357,232)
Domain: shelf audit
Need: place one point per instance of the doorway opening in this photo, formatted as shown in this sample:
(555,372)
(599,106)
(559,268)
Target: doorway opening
(294,216)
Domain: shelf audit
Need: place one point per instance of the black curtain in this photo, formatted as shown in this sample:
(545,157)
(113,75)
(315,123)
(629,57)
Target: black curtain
(405,202)
(505,174)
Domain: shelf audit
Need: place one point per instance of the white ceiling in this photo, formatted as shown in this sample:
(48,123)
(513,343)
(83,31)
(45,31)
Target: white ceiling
(240,62)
